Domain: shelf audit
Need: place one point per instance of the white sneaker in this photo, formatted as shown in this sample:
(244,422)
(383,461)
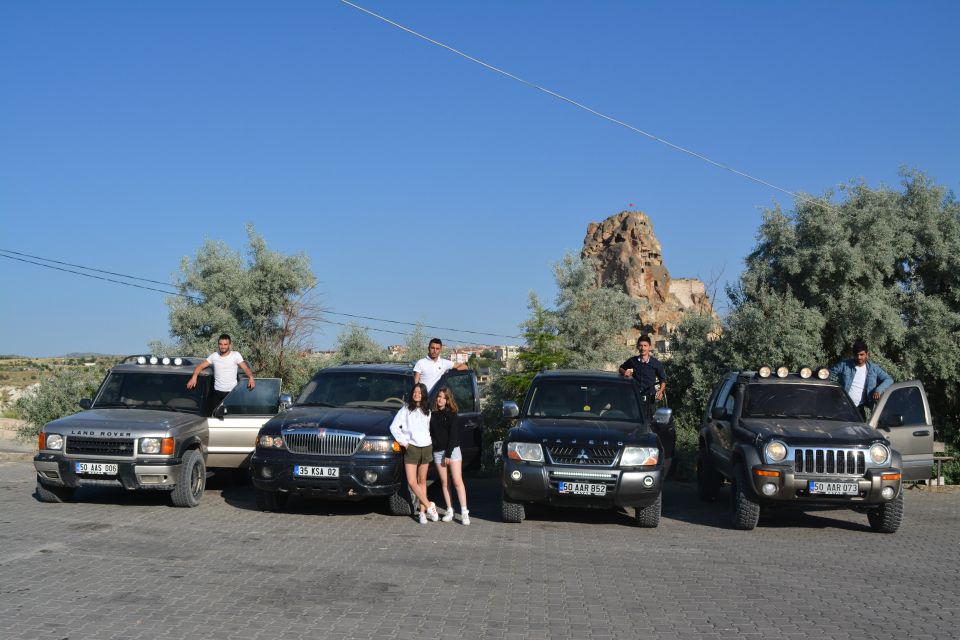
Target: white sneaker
(432,512)
(448,515)
(423,518)
(465,517)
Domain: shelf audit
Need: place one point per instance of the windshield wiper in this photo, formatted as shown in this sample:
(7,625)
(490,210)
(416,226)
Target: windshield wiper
(370,405)
(111,405)
(316,404)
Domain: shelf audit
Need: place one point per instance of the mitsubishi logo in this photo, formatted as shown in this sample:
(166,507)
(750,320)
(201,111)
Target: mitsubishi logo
(582,456)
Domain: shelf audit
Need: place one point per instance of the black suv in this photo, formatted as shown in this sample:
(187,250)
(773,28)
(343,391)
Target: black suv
(582,441)
(334,442)
(796,439)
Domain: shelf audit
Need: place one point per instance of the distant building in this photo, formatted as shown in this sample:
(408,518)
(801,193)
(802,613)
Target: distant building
(506,353)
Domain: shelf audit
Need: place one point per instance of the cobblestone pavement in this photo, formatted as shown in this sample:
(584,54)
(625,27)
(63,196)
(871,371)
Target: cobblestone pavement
(116,565)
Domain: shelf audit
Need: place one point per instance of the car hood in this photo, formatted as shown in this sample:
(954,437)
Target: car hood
(801,430)
(566,431)
(372,422)
(110,421)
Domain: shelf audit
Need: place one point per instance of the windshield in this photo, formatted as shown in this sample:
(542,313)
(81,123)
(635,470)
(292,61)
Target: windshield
(356,389)
(150,390)
(611,400)
(798,401)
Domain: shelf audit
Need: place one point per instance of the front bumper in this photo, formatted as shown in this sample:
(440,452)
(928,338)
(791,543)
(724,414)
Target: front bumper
(793,487)
(273,471)
(58,471)
(541,484)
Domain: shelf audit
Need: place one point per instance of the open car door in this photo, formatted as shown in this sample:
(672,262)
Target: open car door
(235,423)
(902,415)
(463,385)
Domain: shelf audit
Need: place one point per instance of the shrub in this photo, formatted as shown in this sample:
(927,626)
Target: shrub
(56,396)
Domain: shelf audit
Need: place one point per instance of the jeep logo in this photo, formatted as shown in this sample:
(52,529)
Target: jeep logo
(101,434)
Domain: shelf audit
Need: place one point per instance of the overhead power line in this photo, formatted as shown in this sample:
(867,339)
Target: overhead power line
(4,252)
(590,110)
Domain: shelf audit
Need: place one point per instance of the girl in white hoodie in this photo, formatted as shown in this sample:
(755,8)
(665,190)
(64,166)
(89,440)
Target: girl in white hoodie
(411,429)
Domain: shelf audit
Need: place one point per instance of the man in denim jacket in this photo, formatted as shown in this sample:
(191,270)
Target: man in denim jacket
(860,378)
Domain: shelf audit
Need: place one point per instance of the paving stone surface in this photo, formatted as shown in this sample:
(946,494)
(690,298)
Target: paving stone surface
(122,566)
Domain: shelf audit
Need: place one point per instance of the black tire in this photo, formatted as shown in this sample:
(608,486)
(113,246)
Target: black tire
(270,500)
(50,493)
(888,517)
(399,504)
(191,480)
(512,511)
(709,480)
(648,517)
(744,509)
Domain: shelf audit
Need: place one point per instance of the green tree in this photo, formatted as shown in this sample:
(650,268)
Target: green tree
(56,396)
(354,344)
(262,298)
(591,320)
(416,343)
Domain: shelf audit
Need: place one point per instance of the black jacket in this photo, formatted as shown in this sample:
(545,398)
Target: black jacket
(443,431)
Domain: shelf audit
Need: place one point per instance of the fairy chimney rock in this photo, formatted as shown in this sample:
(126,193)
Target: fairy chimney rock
(629,257)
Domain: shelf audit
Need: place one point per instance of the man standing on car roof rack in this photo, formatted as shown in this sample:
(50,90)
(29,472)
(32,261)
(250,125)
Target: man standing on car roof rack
(225,364)
(429,370)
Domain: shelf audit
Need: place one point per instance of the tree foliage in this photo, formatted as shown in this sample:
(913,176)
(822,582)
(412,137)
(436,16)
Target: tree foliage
(881,264)
(262,298)
(354,344)
(56,396)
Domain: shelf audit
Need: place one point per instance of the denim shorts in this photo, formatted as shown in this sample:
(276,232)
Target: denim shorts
(438,456)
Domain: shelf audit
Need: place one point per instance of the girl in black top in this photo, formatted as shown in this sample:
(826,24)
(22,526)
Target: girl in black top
(446,451)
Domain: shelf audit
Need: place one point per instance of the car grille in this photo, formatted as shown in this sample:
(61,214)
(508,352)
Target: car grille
(592,456)
(323,442)
(79,445)
(844,462)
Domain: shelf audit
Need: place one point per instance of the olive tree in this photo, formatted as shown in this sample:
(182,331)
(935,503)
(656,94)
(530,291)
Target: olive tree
(56,396)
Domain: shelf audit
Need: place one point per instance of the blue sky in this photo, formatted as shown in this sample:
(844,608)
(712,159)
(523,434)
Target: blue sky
(131,132)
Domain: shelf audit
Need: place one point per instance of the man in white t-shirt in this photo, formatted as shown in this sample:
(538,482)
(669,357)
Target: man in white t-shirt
(429,370)
(225,366)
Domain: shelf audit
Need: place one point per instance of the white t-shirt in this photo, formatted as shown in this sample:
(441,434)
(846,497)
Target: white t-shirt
(431,370)
(856,387)
(225,370)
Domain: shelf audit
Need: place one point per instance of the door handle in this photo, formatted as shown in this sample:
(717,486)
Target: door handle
(921,434)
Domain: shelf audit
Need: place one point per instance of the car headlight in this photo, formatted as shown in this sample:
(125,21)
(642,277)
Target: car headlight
(639,456)
(270,442)
(879,453)
(775,451)
(150,446)
(528,451)
(54,441)
(379,446)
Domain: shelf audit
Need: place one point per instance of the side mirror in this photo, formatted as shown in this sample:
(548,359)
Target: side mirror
(892,421)
(286,401)
(663,415)
(510,409)
(718,413)
(85,403)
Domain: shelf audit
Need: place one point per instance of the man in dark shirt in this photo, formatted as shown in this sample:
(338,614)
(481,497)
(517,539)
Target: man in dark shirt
(648,372)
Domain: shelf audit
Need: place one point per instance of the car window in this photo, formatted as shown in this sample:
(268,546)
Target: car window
(724,397)
(823,402)
(355,388)
(906,402)
(461,385)
(613,400)
(150,390)
(262,400)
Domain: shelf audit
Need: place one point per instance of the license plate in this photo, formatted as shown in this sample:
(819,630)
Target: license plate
(583,488)
(96,468)
(316,472)
(834,488)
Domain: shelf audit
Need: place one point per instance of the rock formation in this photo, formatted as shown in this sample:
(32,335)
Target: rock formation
(628,257)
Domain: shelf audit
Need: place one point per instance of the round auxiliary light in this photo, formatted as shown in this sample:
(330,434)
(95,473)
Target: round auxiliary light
(783,372)
(769,489)
(887,493)
(516,475)
(764,371)
(153,360)
(141,360)
(178,361)
(266,472)
(369,476)
(165,360)
(823,373)
(648,481)
(806,372)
